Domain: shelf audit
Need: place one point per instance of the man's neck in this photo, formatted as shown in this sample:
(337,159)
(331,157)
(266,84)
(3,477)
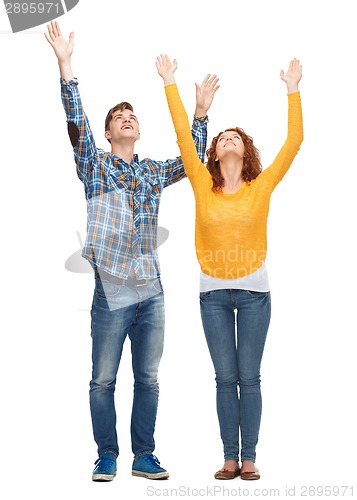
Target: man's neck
(124,151)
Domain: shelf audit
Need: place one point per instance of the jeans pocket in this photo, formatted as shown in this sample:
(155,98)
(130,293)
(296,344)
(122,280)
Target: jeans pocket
(205,295)
(106,290)
(157,285)
(257,293)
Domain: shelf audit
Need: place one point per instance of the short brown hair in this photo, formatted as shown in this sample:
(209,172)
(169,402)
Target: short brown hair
(251,161)
(119,107)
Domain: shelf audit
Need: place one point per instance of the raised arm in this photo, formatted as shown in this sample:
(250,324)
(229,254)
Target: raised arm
(292,76)
(62,49)
(204,97)
(79,130)
(295,134)
(205,94)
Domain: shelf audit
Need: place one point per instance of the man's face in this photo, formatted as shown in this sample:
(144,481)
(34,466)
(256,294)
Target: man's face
(124,125)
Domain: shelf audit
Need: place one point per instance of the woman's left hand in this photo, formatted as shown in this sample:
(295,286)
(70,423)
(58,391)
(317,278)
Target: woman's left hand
(292,76)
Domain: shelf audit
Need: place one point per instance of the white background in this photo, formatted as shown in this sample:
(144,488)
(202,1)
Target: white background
(308,375)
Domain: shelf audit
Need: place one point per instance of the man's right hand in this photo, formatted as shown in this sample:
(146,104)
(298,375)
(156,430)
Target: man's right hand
(62,48)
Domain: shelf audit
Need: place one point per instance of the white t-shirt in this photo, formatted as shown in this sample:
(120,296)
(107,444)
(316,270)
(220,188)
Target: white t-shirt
(257,281)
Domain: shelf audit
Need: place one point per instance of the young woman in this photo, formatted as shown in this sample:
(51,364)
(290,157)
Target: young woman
(232,194)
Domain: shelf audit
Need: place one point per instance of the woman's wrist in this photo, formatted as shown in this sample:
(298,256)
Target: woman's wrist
(293,87)
(168,80)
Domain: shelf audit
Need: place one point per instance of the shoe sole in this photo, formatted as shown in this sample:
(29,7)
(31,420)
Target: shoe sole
(102,478)
(149,475)
(254,477)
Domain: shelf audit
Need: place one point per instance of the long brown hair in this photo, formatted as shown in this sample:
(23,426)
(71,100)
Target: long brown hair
(251,160)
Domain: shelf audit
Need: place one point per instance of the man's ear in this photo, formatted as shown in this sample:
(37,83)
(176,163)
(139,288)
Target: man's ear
(107,135)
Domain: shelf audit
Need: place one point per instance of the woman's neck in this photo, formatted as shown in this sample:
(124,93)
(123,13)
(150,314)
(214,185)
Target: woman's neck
(232,174)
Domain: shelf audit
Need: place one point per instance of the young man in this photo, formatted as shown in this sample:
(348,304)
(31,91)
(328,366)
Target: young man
(123,196)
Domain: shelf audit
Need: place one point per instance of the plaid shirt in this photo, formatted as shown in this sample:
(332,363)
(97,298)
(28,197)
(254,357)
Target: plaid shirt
(122,199)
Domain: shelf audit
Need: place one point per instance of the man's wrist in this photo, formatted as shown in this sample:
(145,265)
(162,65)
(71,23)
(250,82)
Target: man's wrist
(200,112)
(201,119)
(65,69)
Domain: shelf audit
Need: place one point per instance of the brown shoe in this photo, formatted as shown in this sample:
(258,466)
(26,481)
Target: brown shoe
(250,476)
(227,474)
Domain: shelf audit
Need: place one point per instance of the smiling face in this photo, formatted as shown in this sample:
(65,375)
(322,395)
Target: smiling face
(229,143)
(242,149)
(123,125)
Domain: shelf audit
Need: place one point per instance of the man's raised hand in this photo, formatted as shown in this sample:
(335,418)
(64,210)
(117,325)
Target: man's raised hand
(205,94)
(62,48)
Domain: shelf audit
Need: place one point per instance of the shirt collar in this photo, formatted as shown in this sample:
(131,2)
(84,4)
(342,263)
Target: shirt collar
(120,160)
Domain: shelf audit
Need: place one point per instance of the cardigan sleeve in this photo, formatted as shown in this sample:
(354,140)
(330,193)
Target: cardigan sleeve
(192,164)
(295,136)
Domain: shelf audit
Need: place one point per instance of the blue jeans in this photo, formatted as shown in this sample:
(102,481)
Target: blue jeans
(119,311)
(236,323)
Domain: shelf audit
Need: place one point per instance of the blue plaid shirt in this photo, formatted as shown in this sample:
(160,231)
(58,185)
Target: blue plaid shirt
(122,199)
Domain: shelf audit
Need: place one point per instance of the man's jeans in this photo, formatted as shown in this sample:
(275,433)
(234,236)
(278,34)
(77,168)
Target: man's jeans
(119,311)
(235,323)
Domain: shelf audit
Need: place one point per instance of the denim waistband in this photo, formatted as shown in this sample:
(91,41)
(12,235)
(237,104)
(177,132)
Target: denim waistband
(130,281)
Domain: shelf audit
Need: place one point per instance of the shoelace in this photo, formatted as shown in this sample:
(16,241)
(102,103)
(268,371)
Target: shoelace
(152,459)
(104,463)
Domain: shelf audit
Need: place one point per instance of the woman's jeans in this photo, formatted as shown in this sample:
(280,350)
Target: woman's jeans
(119,311)
(235,323)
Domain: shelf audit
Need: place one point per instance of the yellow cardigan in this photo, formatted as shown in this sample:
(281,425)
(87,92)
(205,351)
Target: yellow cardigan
(230,233)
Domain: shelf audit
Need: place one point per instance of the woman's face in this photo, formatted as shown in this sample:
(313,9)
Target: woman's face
(229,143)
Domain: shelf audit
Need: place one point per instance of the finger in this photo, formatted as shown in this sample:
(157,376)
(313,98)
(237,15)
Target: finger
(205,80)
(212,77)
(48,38)
(58,29)
(214,81)
(55,28)
(50,32)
